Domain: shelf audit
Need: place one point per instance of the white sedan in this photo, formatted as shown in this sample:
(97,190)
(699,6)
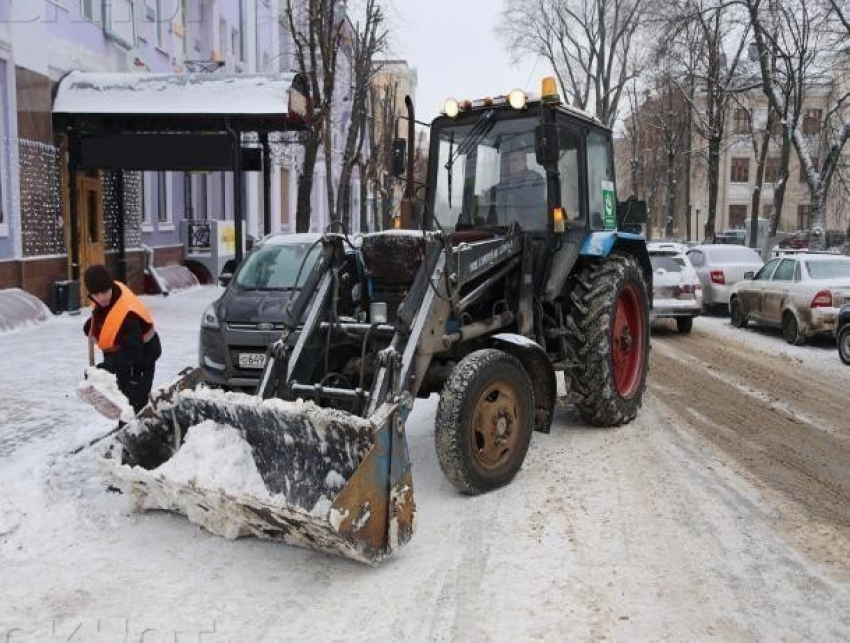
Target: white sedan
(677,292)
(802,295)
(721,266)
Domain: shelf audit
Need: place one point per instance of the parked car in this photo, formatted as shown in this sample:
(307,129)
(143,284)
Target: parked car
(237,328)
(801,294)
(677,292)
(731,237)
(843,333)
(719,267)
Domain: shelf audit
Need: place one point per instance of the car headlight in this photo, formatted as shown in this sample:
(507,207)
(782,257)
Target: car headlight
(209,319)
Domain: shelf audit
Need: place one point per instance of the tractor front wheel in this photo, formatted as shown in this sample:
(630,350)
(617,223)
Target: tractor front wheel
(609,310)
(484,421)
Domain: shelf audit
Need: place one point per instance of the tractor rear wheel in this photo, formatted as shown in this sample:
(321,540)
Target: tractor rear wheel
(484,421)
(609,310)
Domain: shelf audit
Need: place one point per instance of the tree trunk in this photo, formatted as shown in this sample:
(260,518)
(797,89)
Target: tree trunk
(713,187)
(329,174)
(303,214)
(817,238)
(756,200)
(688,144)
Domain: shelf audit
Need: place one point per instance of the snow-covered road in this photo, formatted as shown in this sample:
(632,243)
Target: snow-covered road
(720,514)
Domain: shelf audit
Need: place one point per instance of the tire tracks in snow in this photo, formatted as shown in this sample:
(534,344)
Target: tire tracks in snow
(797,455)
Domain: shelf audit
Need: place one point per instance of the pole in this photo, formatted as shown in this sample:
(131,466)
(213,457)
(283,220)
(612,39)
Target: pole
(237,191)
(267,180)
(73,214)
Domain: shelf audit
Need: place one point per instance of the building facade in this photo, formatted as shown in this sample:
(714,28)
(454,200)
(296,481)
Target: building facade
(43,40)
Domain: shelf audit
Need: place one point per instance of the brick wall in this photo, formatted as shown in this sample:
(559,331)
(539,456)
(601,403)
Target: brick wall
(37,276)
(34,275)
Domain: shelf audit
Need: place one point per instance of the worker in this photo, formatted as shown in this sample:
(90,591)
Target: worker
(123,328)
(521,193)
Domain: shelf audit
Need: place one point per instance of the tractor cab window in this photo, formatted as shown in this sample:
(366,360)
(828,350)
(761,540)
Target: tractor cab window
(600,185)
(569,168)
(487,175)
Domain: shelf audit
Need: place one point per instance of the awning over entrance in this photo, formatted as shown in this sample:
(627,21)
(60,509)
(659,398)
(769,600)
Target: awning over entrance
(255,99)
(174,122)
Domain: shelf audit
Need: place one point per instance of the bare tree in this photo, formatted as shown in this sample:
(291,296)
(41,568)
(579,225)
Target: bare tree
(716,76)
(801,44)
(589,43)
(316,27)
(379,164)
(370,38)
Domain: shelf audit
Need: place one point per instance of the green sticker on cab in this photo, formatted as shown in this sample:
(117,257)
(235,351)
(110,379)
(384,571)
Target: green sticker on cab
(609,214)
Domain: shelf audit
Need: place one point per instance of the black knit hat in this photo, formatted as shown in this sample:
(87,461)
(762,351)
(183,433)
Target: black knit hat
(97,278)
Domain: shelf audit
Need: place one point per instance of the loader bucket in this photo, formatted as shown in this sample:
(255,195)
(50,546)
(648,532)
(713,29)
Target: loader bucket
(309,476)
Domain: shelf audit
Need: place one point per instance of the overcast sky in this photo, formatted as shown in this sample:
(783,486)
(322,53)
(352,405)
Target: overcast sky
(453,46)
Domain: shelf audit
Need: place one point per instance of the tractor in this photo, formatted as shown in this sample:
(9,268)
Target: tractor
(517,263)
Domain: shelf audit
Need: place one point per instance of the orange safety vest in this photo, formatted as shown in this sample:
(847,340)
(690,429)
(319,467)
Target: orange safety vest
(126,303)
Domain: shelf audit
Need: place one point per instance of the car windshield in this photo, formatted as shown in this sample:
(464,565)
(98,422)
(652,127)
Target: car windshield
(275,267)
(827,269)
(670,263)
(487,174)
(733,254)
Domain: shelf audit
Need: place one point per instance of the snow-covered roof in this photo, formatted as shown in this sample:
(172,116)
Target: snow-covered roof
(165,94)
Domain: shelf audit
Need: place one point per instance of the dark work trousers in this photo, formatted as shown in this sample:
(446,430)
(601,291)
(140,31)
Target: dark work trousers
(138,389)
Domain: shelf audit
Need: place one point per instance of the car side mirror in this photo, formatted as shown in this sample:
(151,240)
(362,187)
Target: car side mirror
(224,278)
(546,149)
(749,275)
(399,161)
(631,211)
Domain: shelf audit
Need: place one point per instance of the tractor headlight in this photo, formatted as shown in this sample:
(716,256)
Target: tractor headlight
(517,99)
(451,107)
(209,319)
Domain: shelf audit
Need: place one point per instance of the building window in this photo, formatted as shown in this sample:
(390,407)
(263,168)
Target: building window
(771,170)
(815,164)
(742,121)
(120,21)
(804,217)
(766,210)
(243,24)
(163,200)
(148,185)
(87,9)
(811,122)
(737,216)
(222,38)
(740,171)
(161,24)
(202,207)
(235,43)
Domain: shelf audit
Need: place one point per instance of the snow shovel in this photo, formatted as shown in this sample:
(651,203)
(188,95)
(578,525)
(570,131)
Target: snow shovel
(330,480)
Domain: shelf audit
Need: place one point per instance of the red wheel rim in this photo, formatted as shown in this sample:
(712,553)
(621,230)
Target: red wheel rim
(628,343)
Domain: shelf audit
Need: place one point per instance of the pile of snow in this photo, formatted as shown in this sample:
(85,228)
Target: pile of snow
(176,278)
(19,309)
(216,457)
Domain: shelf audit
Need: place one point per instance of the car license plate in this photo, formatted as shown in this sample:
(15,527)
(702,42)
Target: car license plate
(252,360)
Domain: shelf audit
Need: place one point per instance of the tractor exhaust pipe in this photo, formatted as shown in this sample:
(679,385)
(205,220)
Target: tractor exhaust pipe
(407,208)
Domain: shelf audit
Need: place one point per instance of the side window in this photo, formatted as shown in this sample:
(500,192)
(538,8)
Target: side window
(785,271)
(696,258)
(570,170)
(767,269)
(600,183)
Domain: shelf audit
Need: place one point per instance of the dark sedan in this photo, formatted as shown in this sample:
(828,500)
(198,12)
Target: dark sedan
(238,327)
